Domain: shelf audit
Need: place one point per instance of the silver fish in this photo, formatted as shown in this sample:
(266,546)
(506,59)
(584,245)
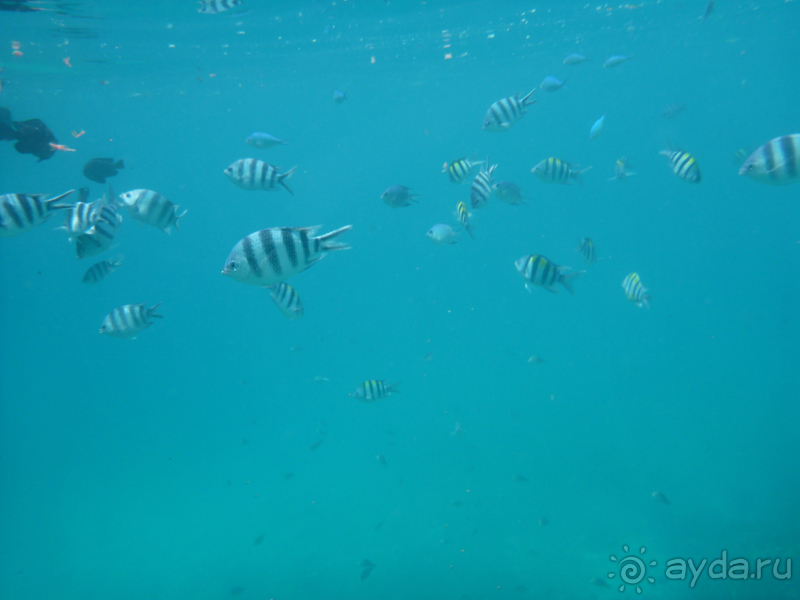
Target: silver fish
(253,174)
(442,234)
(22,212)
(507,111)
(398,195)
(287,300)
(129,320)
(553,84)
(776,163)
(100,270)
(509,192)
(151,208)
(616,60)
(575,59)
(264,140)
(271,255)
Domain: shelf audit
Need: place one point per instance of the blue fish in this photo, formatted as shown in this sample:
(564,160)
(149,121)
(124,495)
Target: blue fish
(616,60)
(597,128)
(339,96)
(553,84)
(264,140)
(575,59)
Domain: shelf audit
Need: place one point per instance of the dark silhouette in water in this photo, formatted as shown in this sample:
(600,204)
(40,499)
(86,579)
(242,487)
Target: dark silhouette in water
(99,169)
(236,590)
(258,540)
(32,136)
(367,565)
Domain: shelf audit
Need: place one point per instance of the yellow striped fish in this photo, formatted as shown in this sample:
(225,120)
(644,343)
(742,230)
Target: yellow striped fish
(460,169)
(683,164)
(375,389)
(621,169)
(777,162)
(286,299)
(463,217)
(635,291)
(588,251)
(541,271)
(555,170)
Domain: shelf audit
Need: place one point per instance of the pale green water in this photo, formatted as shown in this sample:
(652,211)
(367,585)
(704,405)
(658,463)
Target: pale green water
(147,468)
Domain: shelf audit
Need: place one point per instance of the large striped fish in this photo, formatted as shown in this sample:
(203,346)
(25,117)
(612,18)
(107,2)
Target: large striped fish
(555,170)
(99,271)
(504,113)
(635,291)
(22,212)
(127,321)
(100,237)
(271,255)
(253,174)
(151,208)
(683,164)
(459,169)
(777,162)
(481,191)
(543,272)
(80,217)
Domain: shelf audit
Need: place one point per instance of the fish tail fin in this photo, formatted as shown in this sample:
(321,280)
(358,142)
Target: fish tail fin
(576,174)
(52,203)
(175,222)
(327,244)
(152,311)
(566,280)
(526,101)
(469,229)
(392,388)
(282,179)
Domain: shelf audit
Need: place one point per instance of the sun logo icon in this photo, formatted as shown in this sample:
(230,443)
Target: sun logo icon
(632,569)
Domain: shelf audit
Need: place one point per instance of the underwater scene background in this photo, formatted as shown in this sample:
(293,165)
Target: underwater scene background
(222,452)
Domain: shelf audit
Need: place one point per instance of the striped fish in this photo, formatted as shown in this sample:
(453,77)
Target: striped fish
(272,255)
(463,217)
(555,170)
(588,251)
(541,271)
(127,321)
(151,208)
(504,113)
(22,212)
(460,169)
(213,7)
(253,174)
(621,169)
(286,299)
(375,389)
(683,164)
(80,217)
(481,191)
(100,270)
(100,237)
(635,291)
(777,162)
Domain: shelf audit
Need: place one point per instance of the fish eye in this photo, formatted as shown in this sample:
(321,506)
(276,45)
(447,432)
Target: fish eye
(232,265)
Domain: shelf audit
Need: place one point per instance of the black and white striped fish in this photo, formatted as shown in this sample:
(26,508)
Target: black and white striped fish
(100,237)
(151,208)
(777,162)
(504,113)
(272,255)
(212,7)
(287,300)
(588,251)
(462,214)
(375,389)
(253,174)
(80,217)
(635,291)
(683,164)
(541,271)
(100,270)
(481,191)
(555,170)
(127,321)
(459,169)
(22,212)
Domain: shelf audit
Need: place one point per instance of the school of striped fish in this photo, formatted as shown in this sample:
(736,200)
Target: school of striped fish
(269,256)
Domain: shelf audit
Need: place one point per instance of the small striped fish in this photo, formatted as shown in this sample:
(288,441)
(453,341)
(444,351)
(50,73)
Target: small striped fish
(481,191)
(777,162)
(286,299)
(253,174)
(462,214)
(151,208)
(621,169)
(541,271)
(588,251)
(683,164)
(375,389)
(127,321)
(555,170)
(80,217)
(22,212)
(272,255)
(100,270)
(100,237)
(460,169)
(635,291)
(213,7)
(504,113)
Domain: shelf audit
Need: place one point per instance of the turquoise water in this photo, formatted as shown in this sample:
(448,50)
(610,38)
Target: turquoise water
(150,468)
